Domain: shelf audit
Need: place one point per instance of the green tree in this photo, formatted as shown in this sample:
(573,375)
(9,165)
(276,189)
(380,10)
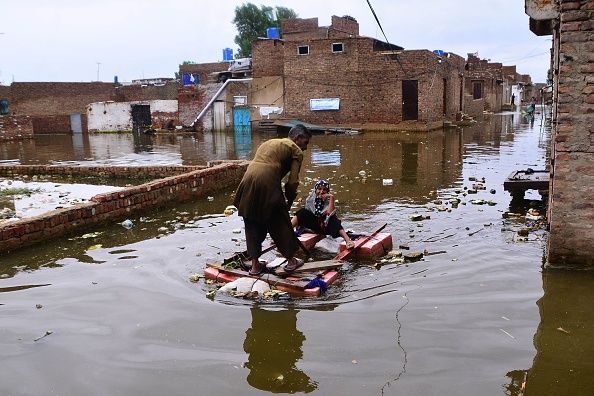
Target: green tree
(252,22)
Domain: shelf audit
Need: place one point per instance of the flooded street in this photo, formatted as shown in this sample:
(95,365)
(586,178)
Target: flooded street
(114,312)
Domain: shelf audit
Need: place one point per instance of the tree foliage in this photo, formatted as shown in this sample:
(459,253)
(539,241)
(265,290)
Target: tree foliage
(252,22)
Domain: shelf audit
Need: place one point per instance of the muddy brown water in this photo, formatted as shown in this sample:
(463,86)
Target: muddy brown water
(481,318)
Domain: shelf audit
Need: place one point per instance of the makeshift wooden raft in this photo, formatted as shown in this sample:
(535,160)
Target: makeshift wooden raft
(366,247)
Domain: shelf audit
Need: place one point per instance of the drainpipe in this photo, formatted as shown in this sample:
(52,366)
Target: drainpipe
(216,96)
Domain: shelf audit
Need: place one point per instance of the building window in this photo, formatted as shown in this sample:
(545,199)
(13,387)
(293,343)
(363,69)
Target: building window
(477,89)
(303,50)
(337,47)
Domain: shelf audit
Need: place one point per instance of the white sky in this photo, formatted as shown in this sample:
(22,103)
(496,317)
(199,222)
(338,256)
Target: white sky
(63,40)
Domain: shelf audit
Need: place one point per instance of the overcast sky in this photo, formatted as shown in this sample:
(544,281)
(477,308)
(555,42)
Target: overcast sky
(64,40)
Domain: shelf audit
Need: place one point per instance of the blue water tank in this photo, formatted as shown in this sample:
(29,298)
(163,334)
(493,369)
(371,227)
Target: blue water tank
(273,33)
(115,79)
(438,52)
(227,54)
(186,79)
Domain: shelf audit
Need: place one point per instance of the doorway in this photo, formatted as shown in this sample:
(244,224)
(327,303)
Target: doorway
(410,100)
(75,123)
(218,115)
(141,116)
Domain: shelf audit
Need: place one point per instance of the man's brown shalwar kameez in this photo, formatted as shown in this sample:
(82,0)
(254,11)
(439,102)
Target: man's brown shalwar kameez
(260,200)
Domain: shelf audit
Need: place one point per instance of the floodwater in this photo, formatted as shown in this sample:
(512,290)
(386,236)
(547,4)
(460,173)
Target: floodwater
(120,316)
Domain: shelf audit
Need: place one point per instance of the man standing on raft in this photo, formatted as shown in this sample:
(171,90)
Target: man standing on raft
(260,200)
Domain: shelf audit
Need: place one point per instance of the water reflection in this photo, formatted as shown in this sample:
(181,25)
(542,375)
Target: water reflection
(418,163)
(273,344)
(243,141)
(142,141)
(564,362)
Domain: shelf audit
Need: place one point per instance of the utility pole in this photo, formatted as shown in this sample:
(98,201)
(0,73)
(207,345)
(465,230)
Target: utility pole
(98,64)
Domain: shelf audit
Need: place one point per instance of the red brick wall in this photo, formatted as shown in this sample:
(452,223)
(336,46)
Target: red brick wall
(489,74)
(141,172)
(571,204)
(345,25)
(191,100)
(368,83)
(120,204)
(52,98)
(5,92)
(131,93)
(51,124)
(298,25)
(474,107)
(15,127)
(268,58)
(203,69)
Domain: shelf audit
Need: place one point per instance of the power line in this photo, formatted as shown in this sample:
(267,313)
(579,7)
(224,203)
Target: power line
(385,37)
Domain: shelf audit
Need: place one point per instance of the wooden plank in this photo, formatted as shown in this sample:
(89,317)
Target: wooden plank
(313,266)
(358,243)
(266,277)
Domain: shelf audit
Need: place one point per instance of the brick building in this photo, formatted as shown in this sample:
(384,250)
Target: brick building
(333,76)
(200,72)
(571,195)
(491,83)
(56,107)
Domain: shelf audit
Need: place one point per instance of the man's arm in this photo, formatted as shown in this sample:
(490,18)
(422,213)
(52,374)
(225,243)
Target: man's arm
(293,180)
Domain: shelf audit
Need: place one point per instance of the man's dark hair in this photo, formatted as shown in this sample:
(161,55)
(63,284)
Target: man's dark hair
(298,131)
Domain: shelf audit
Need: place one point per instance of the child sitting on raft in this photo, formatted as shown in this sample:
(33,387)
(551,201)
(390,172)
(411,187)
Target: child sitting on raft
(319,214)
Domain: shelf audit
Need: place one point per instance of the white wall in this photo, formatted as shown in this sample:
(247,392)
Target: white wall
(117,116)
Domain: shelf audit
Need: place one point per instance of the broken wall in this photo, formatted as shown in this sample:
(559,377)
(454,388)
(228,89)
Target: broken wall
(117,116)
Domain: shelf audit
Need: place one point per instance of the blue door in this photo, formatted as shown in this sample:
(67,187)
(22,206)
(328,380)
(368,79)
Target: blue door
(241,118)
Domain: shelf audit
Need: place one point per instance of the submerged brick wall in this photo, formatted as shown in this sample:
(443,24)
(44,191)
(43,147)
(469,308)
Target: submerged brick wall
(15,127)
(141,172)
(120,204)
(51,124)
(571,204)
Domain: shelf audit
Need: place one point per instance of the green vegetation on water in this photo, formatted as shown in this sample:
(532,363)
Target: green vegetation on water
(9,192)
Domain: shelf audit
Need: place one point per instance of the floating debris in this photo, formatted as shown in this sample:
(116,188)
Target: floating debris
(413,256)
(534,215)
(523,232)
(507,334)
(45,335)
(196,277)
(127,224)
(91,235)
(394,253)
(229,210)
